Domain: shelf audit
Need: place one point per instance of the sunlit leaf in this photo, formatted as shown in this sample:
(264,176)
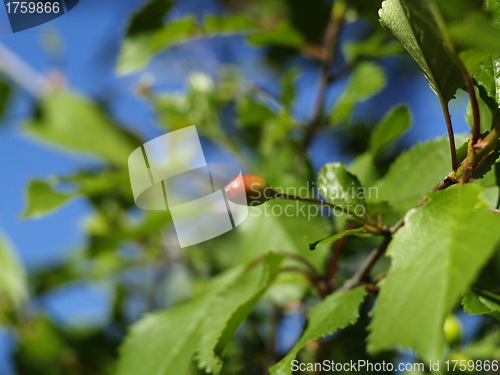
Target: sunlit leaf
(42,199)
(414,25)
(435,256)
(335,312)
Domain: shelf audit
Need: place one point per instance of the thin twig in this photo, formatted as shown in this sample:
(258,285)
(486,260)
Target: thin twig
(314,273)
(333,265)
(363,271)
(331,38)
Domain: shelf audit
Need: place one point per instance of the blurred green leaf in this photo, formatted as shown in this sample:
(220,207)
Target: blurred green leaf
(43,199)
(314,243)
(391,127)
(413,24)
(486,118)
(465,34)
(13,283)
(473,57)
(374,46)
(224,24)
(164,342)
(479,301)
(367,80)
(363,166)
(283,35)
(149,17)
(339,186)
(138,50)
(74,123)
(335,312)
(252,113)
(432,266)
(487,76)
(230,308)
(415,172)
(279,226)
(5,95)
(486,347)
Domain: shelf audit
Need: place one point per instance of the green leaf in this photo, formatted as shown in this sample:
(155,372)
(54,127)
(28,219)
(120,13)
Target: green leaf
(335,312)
(224,24)
(375,46)
(390,128)
(279,225)
(43,199)
(435,256)
(413,24)
(367,80)
(478,301)
(138,50)
(338,186)
(283,35)
(415,172)
(230,308)
(363,166)
(251,112)
(164,343)
(464,34)
(13,285)
(487,77)
(473,57)
(485,116)
(314,243)
(5,95)
(72,122)
(149,17)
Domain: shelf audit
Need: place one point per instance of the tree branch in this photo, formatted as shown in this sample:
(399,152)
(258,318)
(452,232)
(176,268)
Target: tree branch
(331,38)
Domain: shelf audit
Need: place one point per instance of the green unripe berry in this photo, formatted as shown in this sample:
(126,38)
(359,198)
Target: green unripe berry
(452,330)
(253,190)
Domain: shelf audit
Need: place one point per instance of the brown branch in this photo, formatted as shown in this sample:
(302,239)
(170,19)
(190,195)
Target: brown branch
(333,265)
(332,34)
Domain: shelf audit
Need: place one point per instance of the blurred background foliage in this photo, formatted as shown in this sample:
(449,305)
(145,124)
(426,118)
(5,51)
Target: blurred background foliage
(81,263)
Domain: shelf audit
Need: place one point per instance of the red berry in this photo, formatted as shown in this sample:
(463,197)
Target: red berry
(248,189)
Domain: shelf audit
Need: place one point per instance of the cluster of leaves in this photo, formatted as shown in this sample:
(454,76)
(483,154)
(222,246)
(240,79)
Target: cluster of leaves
(226,297)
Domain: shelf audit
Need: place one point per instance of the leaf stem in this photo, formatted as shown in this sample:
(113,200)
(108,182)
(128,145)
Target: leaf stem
(363,271)
(451,136)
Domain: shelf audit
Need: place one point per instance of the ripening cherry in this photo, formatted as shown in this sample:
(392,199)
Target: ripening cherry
(253,190)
